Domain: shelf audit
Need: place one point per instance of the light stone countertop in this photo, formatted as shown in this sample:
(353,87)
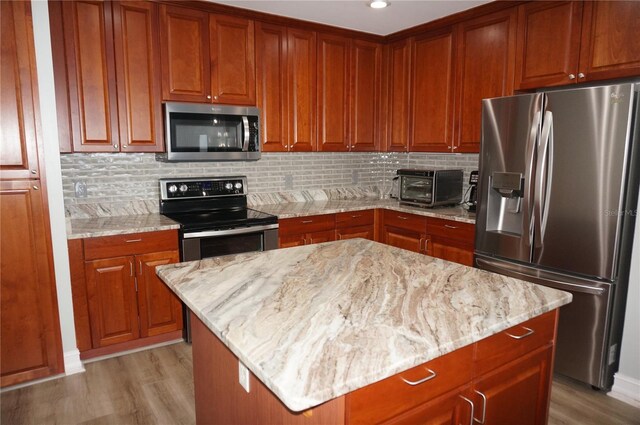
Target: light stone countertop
(301,209)
(319,321)
(78,228)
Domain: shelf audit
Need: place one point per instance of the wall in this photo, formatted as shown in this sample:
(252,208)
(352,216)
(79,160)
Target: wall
(121,178)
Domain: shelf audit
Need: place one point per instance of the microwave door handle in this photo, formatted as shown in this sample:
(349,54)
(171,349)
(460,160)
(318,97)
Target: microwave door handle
(245,124)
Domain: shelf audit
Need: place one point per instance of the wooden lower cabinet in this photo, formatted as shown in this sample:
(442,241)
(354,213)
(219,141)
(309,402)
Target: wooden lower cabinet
(466,386)
(306,230)
(119,302)
(356,224)
(30,345)
(406,231)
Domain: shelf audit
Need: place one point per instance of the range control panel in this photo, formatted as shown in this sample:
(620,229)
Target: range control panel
(199,188)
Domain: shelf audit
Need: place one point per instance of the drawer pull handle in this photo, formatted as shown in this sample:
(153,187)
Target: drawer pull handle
(133,240)
(423,380)
(484,408)
(470,404)
(356,216)
(403,218)
(524,335)
(448,226)
(307,221)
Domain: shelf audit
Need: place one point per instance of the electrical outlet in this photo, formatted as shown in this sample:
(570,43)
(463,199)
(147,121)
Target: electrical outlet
(80,188)
(243,376)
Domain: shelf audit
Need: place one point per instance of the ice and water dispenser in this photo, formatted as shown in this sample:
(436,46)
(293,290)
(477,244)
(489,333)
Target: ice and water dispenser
(504,203)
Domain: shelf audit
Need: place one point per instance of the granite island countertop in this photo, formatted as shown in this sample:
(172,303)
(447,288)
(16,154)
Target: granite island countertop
(319,321)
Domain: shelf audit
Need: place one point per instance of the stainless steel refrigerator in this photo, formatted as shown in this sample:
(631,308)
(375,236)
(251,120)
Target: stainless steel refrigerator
(557,198)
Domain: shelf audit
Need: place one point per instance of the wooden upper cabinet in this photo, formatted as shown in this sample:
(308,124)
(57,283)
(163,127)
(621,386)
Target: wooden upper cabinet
(333,92)
(18,94)
(30,343)
(399,68)
(184,44)
(137,53)
(272,86)
(88,33)
(432,92)
(366,75)
(233,69)
(485,69)
(548,44)
(301,71)
(610,45)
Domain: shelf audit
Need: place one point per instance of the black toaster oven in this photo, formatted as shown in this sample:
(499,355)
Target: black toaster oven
(430,188)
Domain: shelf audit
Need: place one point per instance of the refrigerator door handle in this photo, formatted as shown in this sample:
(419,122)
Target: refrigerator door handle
(541,177)
(518,272)
(529,194)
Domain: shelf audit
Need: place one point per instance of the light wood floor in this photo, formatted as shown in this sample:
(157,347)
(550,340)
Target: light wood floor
(156,387)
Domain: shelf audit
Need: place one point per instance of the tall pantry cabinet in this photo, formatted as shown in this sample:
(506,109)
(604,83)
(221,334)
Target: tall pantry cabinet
(30,344)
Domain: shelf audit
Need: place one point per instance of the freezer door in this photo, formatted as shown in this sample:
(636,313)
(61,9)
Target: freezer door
(583,326)
(510,129)
(580,180)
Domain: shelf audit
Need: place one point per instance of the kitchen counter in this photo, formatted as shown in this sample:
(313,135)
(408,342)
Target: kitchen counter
(301,209)
(319,321)
(78,228)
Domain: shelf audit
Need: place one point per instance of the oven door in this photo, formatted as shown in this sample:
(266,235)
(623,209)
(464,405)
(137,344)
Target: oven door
(207,244)
(416,189)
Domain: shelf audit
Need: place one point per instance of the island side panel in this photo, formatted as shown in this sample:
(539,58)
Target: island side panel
(220,399)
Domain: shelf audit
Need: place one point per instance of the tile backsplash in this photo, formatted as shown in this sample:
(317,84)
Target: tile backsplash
(121,178)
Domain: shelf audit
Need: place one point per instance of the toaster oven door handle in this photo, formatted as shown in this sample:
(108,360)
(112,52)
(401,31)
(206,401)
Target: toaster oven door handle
(245,124)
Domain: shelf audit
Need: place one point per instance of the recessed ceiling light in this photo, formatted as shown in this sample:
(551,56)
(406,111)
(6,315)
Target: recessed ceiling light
(378,4)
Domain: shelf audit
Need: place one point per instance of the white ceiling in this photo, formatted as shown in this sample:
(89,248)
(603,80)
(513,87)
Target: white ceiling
(357,15)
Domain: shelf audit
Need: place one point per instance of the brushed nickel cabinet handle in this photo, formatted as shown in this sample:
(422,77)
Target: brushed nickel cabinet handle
(581,75)
(403,218)
(304,241)
(484,408)
(124,146)
(36,188)
(356,216)
(425,245)
(339,236)
(130,268)
(307,221)
(140,264)
(432,375)
(133,240)
(572,76)
(34,172)
(524,335)
(448,226)
(471,404)
(208,96)
(115,146)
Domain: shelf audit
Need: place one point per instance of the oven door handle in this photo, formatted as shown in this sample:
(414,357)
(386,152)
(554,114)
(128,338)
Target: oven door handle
(245,124)
(238,231)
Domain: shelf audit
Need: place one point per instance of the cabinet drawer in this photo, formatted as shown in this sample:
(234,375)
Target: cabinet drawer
(405,221)
(463,232)
(133,243)
(515,342)
(354,218)
(312,223)
(392,396)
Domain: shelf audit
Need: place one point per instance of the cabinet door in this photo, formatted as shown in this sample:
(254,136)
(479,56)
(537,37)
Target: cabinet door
(366,71)
(403,238)
(272,81)
(450,251)
(18,94)
(160,308)
(399,96)
(333,93)
(137,53)
(88,33)
(485,65)
(365,232)
(432,93)
(548,44)
(516,393)
(184,46)
(287,241)
(610,46)
(233,67)
(449,409)
(319,237)
(301,70)
(113,310)
(30,346)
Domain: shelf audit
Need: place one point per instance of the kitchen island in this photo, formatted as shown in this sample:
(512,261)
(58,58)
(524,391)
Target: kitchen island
(326,328)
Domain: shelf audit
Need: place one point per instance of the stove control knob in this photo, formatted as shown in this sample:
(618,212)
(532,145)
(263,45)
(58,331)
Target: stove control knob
(183,188)
(238,185)
(172,188)
(228,186)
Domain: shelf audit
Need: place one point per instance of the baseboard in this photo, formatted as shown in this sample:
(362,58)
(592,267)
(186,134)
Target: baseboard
(626,389)
(72,362)
(133,350)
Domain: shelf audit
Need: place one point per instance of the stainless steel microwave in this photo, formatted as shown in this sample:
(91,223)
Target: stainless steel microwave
(205,132)
(430,188)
